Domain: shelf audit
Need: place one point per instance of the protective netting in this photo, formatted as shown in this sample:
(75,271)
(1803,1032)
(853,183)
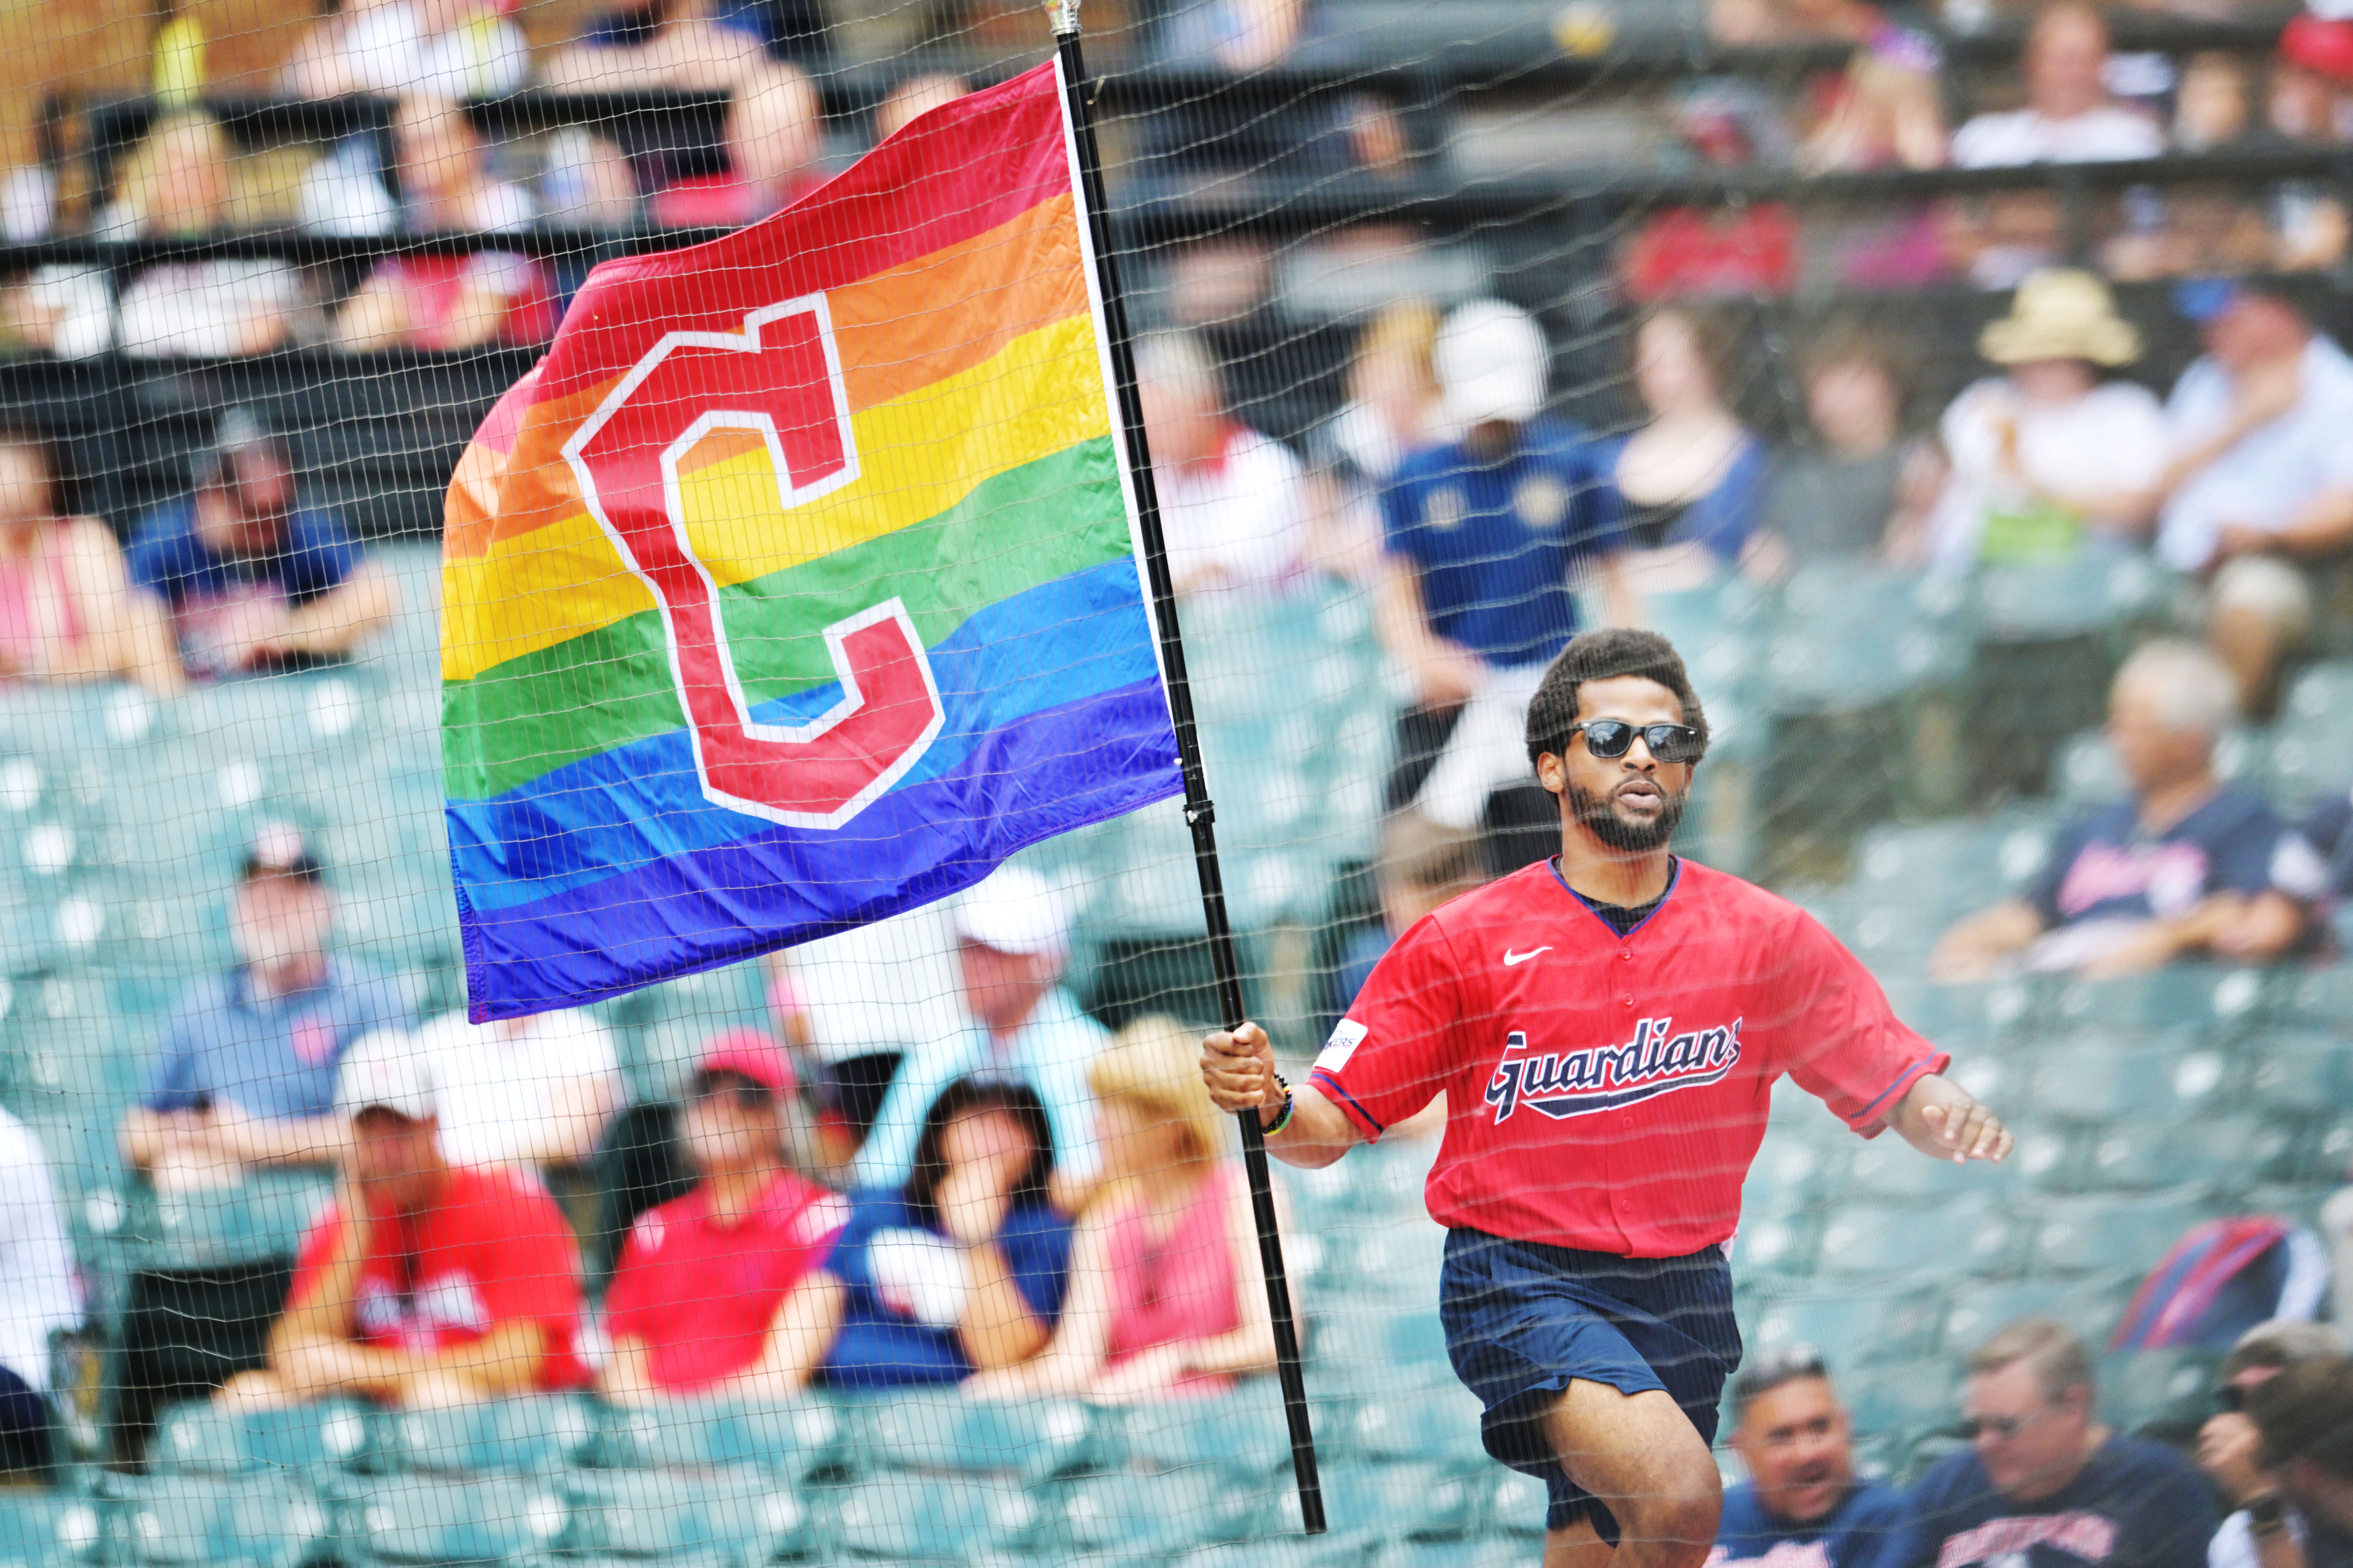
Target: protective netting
(1910,372)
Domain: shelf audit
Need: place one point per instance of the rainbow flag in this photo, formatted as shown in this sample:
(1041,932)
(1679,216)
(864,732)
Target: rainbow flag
(797,584)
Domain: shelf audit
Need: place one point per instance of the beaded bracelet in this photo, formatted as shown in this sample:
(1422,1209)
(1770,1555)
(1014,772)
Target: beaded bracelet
(1289,1109)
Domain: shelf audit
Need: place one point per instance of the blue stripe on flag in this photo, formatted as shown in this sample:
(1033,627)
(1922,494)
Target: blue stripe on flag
(1043,773)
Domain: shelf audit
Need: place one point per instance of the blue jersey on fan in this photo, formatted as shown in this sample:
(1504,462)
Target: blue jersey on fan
(1866,1530)
(1496,543)
(2135,1504)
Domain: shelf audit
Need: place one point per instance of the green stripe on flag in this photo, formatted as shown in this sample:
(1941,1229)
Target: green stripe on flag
(612,686)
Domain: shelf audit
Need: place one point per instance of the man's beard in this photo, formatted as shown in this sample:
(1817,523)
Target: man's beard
(1598,814)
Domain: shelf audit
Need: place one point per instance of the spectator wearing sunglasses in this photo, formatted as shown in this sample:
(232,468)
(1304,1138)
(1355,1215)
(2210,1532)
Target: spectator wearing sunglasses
(2173,871)
(2266,1530)
(2043,1484)
(2305,1418)
(1801,1496)
(719,1293)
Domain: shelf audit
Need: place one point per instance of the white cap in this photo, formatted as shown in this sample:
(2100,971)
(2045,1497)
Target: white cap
(1491,364)
(384,1068)
(1013,910)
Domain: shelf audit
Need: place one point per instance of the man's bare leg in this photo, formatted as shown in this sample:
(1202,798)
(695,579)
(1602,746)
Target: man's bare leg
(1640,1454)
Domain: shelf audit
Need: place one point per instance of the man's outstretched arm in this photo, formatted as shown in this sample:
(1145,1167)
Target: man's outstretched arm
(1944,1122)
(1239,1068)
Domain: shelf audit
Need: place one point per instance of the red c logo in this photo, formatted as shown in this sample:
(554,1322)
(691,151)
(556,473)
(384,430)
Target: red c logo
(780,378)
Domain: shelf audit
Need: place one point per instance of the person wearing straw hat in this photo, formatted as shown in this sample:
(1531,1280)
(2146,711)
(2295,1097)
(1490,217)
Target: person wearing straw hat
(2047,454)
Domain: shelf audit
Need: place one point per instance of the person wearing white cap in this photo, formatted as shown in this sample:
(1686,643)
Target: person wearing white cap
(423,1283)
(1013,941)
(1486,540)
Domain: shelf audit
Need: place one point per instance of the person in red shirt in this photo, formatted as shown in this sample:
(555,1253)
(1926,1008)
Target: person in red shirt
(722,1291)
(1606,1027)
(423,1283)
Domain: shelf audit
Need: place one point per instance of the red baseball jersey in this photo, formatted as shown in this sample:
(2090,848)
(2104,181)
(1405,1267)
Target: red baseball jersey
(1609,1093)
(701,1295)
(496,1250)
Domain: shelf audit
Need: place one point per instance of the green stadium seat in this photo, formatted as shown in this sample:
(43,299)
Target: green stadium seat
(307,1441)
(2313,756)
(437,1520)
(1409,1500)
(1973,1311)
(262,1217)
(2110,1235)
(1435,1420)
(1033,1440)
(1953,867)
(1783,1247)
(263,1521)
(796,1439)
(2326,1154)
(2172,1390)
(1850,1328)
(1904,1397)
(740,1513)
(2219,1152)
(1243,1430)
(1960,1014)
(2302,1070)
(2106,1087)
(522,1436)
(2086,594)
(2179,997)
(1888,1169)
(1163,1514)
(1901,1243)
(2322,997)
(903,1518)
(1339,1550)
(51,1530)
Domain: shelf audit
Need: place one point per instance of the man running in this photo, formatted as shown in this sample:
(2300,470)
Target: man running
(1606,1027)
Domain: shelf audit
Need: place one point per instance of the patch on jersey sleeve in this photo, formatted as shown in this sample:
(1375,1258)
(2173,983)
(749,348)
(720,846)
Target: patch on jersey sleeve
(1343,1045)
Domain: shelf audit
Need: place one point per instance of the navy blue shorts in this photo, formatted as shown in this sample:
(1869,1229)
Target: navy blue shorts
(1524,1320)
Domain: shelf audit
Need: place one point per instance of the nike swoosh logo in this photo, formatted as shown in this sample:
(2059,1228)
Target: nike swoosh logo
(1509,958)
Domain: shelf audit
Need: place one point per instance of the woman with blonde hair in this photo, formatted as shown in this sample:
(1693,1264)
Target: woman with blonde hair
(179,184)
(1165,1297)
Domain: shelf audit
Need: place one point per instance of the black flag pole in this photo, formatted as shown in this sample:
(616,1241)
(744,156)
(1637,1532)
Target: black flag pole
(1199,813)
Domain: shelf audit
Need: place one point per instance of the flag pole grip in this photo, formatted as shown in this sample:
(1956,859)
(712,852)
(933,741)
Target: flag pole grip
(1199,814)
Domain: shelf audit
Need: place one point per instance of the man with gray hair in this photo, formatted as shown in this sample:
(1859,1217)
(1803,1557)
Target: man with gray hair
(1231,500)
(2135,884)
(2043,1483)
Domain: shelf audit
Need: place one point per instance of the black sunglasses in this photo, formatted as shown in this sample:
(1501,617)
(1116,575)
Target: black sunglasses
(1610,739)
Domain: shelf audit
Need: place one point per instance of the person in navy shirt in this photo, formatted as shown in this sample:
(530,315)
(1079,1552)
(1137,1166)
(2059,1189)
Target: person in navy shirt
(2176,869)
(1484,541)
(1801,1506)
(2043,1484)
(963,1268)
(254,581)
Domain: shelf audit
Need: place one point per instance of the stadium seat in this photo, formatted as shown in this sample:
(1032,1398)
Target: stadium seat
(739,1513)
(2105,1087)
(436,1519)
(2110,1235)
(2171,1390)
(1848,1327)
(51,1530)
(1888,1169)
(522,1436)
(2220,1153)
(903,1518)
(1033,1440)
(1960,866)
(2313,757)
(2325,1154)
(2087,593)
(2181,995)
(1244,1430)
(1902,1397)
(1973,1311)
(1435,1420)
(795,1440)
(1892,1242)
(2302,1070)
(263,1216)
(250,1522)
(2320,996)
(307,1441)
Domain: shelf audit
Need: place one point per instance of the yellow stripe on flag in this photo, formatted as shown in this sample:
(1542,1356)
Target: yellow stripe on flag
(918,455)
